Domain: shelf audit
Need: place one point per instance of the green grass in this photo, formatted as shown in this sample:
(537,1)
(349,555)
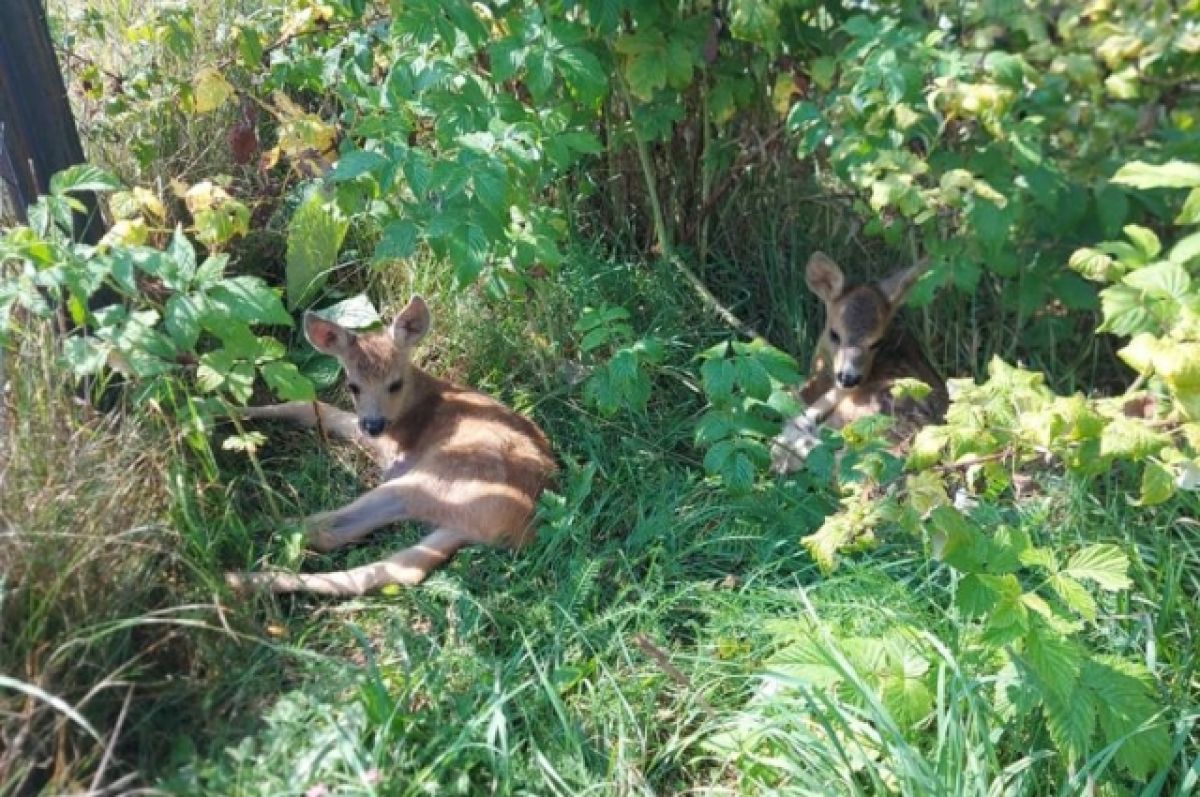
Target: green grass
(628,651)
(625,651)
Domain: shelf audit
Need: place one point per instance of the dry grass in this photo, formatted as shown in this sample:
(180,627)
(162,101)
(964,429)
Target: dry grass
(89,572)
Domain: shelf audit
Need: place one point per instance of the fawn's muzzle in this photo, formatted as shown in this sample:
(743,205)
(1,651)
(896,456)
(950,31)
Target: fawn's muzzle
(848,378)
(372,426)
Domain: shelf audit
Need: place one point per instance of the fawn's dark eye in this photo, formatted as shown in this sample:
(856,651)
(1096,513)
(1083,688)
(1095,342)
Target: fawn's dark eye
(837,340)
(394,387)
(875,346)
(354,389)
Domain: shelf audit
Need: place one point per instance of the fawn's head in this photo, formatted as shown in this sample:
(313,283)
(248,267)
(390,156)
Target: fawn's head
(377,364)
(856,318)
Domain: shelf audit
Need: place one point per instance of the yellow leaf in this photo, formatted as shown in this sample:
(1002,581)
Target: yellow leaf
(781,98)
(204,196)
(210,90)
(150,202)
(1140,352)
(126,232)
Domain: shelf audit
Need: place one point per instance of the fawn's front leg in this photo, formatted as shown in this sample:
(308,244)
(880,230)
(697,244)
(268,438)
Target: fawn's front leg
(802,434)
(407,568)
(319,415)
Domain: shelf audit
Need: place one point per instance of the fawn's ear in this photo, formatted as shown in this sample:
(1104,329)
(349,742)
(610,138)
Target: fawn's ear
(897,286)
(412,323)
(326,336)
(823,277)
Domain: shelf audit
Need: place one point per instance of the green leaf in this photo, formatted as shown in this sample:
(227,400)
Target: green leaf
(468,252)
(181,317)
(1073,594)
(83,177)
(754,21)
(210,90)
(285,379)
(1127,438)
(1105,565)
(1173,174)
(1126,705)
(357,312)
(976,595)
(84,355)
(1071,720)
(1163,280)
(1190,212)
(314,237)
(1186,250)
(718,378)
(753,378)
(356,163)
(398,241)
(1095,265)
(247,299)
(1158,484)
(1144,239)
(179,269)
(1054,659)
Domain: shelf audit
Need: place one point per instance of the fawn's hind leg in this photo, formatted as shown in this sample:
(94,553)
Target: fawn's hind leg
(406,568)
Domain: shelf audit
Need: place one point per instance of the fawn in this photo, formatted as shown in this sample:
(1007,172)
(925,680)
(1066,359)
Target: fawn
(450,456)
(858,359)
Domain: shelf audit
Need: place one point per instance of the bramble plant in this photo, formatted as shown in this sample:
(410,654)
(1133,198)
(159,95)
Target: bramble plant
(1005,610)
(148,313)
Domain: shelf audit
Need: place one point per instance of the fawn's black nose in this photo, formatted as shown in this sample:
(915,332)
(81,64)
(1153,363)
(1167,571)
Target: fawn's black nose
(848,379)
(372,426)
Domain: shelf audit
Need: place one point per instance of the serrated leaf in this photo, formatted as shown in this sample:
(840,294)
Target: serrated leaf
(85,355)
(398,241)
(181,317)
(1074,595)
(1105,565)
(1054,659)
(1071,720)
(356,163)
(976,595)
(468,252)
(712,427)
(1144,239)
(285,379)
(83,177)
(753,378)
(910,388)
(1126,438)
(1186,250)
(247,441)
(314,238)
(179,265)
(1173,174)
(1190,212)
(738,472)
(1158,484)
(246,299)
(1160,280)
(718,379)
(1126,705)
